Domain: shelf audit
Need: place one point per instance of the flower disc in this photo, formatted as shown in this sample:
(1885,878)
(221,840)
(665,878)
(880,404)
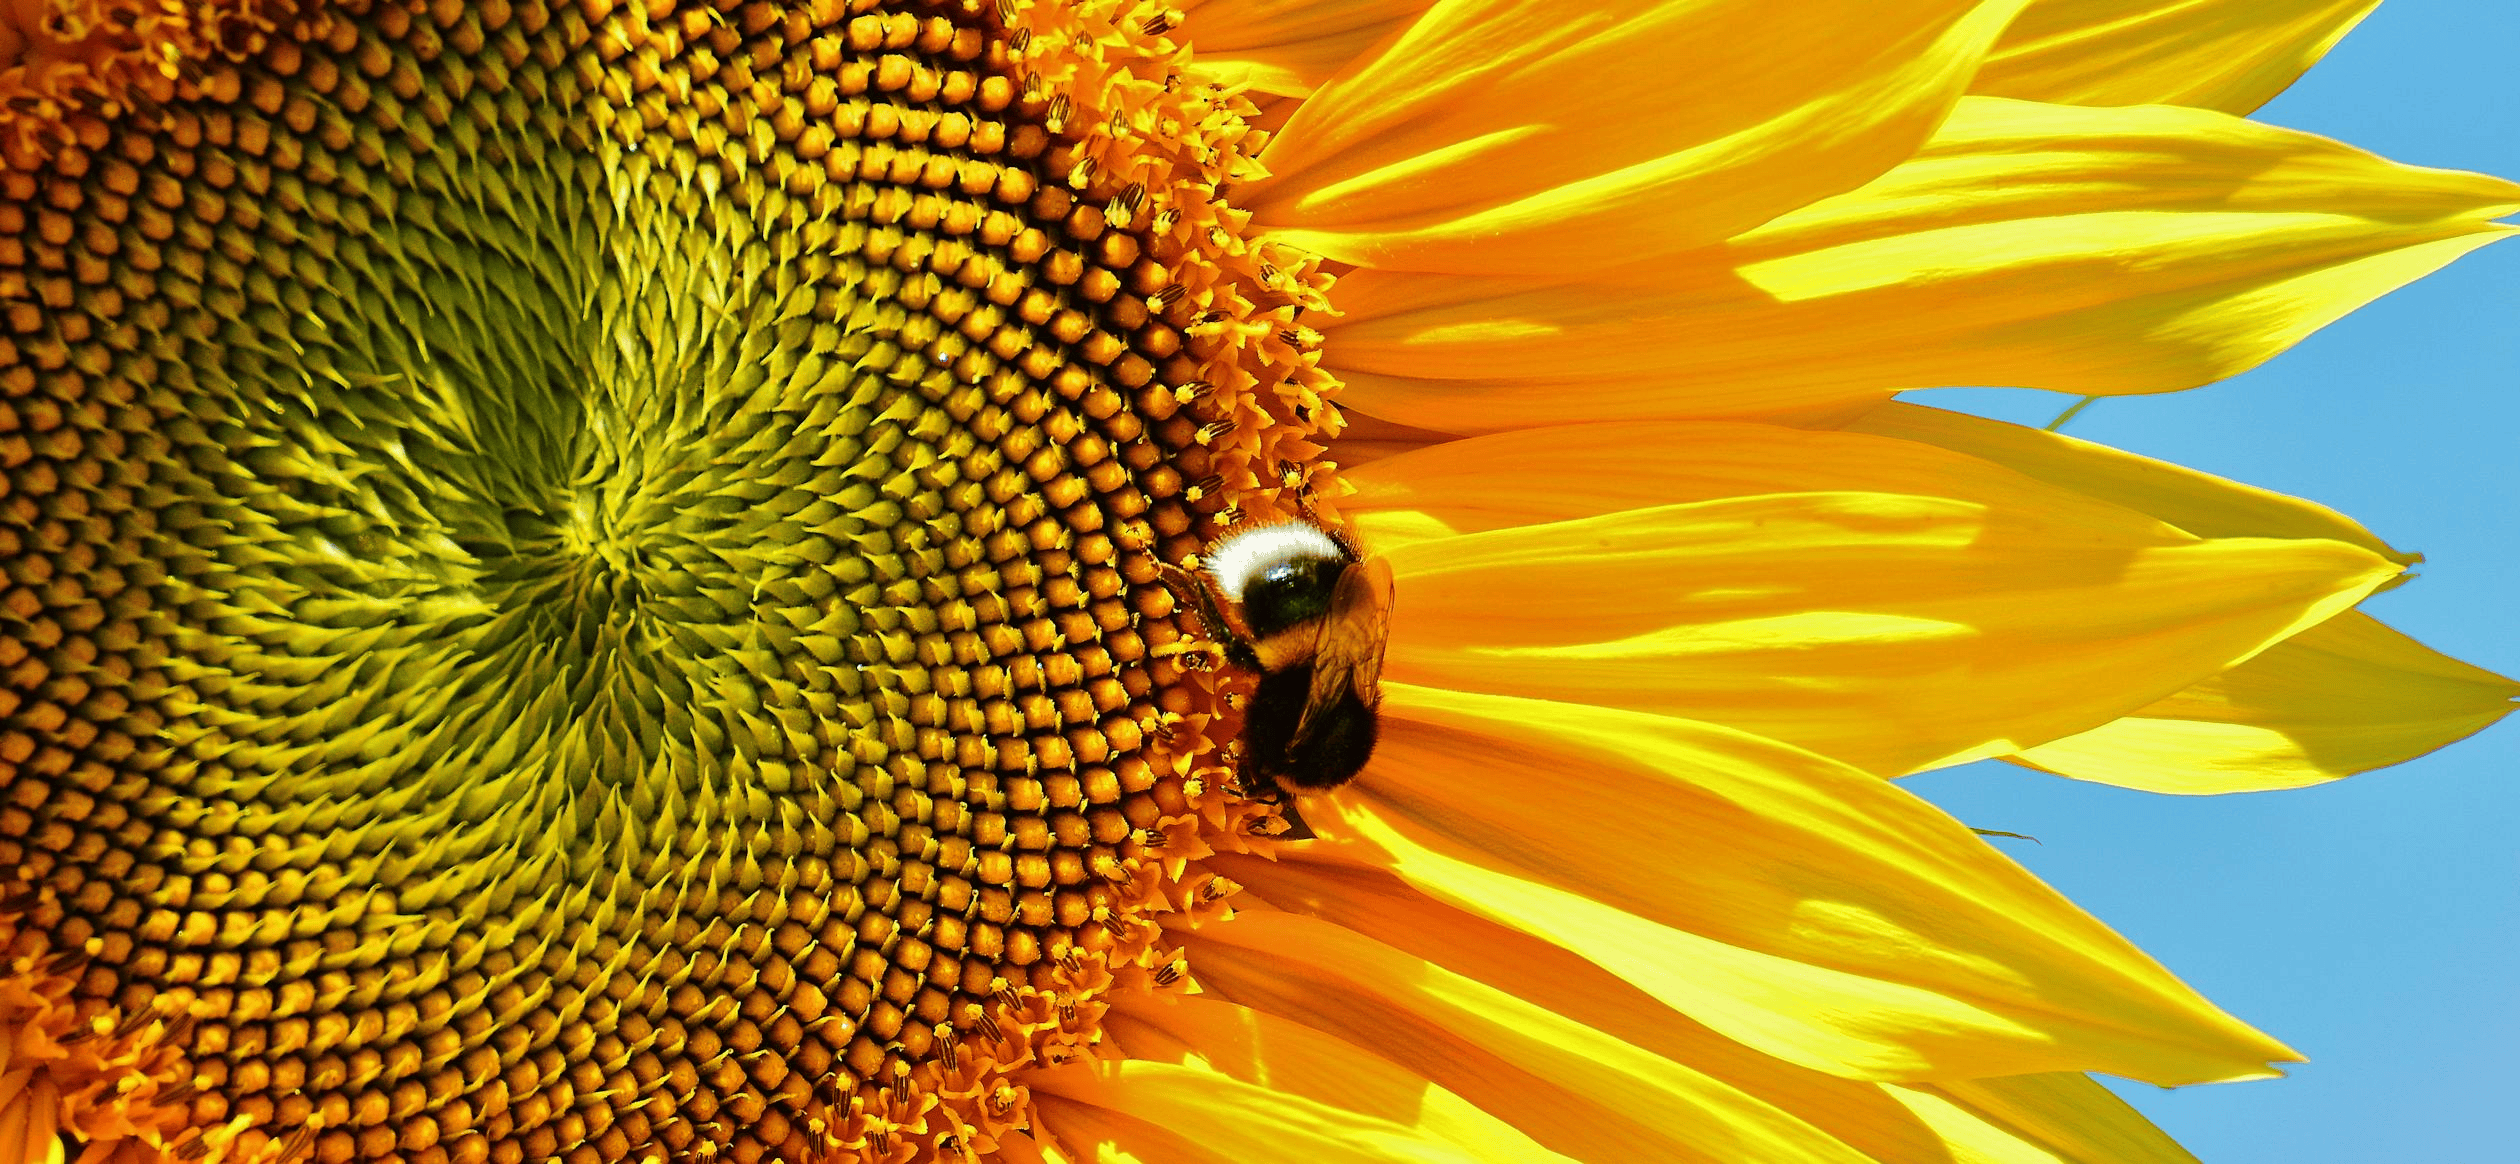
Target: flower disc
(582,585)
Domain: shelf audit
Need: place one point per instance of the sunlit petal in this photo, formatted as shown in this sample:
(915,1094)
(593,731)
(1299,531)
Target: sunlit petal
(1801,907)
(1891,630)
(1857,1113)
(2046,246)
(2230,55)
(1447,150)
(1577,1090)
(1210,1081)
(2200,503)
(1474,485)
(2054,1118)
(2345,696)
(2028,1117)
(1287,47)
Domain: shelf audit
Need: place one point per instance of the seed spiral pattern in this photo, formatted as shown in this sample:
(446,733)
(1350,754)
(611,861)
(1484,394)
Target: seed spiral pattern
(582,583)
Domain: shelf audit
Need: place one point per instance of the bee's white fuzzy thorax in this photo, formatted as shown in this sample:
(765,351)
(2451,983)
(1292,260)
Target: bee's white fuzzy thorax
(1248,554)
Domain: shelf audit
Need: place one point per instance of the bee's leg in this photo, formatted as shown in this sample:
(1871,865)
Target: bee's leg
(1259,787)
(1196,655)
(1191,587)
(1252,785)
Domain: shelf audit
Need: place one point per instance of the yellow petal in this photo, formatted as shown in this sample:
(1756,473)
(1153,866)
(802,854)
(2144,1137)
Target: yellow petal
(2230,55)
(1018,1148)
(1789,902)
(1572,1088)
(2054,1118)
(1088,1133)
(1893,631)
(2345,696)
(1287,47)
(1856,1113)
(1486,483)
(1513,135)
(2096,251)
(2200,503)
(1247,1086)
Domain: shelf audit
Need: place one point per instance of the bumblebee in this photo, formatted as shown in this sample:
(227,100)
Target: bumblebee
(1304,609)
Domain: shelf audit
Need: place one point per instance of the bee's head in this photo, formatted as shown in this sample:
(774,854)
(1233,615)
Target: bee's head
(1279,577)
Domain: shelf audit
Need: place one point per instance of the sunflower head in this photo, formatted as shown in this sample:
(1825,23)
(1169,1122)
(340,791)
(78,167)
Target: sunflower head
(601,582)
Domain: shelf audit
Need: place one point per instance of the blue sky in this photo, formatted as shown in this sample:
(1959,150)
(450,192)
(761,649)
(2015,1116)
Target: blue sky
(2374,923)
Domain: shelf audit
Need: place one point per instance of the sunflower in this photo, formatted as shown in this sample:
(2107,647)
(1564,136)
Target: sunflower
(589,582)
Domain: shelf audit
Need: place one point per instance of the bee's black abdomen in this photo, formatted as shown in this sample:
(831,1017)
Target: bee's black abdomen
(1269,722)
(1342,739)
(1340,745)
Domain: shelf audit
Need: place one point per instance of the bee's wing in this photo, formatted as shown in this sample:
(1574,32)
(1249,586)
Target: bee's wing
(1349,656)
